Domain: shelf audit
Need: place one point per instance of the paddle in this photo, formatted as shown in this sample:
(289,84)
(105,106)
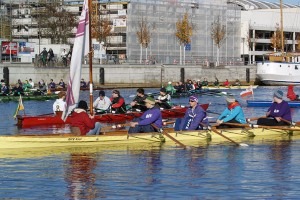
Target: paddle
(168,135)
(149,94)
(262,126)
(214,129)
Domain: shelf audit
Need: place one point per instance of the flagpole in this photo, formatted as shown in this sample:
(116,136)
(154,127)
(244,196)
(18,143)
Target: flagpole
(90,59)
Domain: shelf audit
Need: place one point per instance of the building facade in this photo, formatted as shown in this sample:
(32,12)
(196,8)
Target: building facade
(249,26)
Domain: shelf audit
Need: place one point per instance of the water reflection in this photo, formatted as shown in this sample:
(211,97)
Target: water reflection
(148,163)
(280,157)
(196,163)
(80,176)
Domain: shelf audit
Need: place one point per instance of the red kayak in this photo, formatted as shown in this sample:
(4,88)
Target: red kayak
(26,121)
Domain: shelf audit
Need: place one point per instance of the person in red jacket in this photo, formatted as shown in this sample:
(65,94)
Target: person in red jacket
(86,123)
(291,94)
(226,83)
(117,102)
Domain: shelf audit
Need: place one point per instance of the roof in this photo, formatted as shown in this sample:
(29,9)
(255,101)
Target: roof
(255,5)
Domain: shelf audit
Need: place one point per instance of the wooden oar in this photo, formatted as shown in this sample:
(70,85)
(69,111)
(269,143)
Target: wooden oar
(214,129)
(254,118)
(291,122)
(262,126)
(169,136)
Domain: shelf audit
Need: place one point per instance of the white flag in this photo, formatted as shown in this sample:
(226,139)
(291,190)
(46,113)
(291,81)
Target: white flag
(80,48)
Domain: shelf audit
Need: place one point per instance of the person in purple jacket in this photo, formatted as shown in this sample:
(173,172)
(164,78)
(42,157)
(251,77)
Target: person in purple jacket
(279,110)
(192,118)
(151,116)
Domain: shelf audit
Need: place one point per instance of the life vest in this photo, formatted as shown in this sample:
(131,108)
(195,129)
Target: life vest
(233,105)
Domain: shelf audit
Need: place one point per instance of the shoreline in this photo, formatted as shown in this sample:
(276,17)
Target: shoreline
(131,76)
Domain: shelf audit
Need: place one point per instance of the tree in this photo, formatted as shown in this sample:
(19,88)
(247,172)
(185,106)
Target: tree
(184,32)
(218,32)
(276,41)
(298,42)
(55,22)
(143,35)
(4,27)
(101,29)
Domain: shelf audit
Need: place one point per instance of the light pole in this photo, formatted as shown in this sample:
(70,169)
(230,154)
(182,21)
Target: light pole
(243,39)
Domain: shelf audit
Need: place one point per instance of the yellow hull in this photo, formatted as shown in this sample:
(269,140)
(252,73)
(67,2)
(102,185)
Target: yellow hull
(192,137)
(230,87)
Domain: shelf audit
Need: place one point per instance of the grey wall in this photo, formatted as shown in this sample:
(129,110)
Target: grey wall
(130,75)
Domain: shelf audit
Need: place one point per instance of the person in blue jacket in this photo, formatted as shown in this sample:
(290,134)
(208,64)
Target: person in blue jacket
(232,114)
(194,119)
(151,116)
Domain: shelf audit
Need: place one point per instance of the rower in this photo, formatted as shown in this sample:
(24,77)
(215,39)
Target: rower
(194,118)
(117,102)
(82,123)
(138,103)
(279,109)
(102,103)
(233,113)
(151,116)
(163,99)
(59,105)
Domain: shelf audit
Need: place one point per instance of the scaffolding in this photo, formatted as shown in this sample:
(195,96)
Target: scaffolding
(162,17)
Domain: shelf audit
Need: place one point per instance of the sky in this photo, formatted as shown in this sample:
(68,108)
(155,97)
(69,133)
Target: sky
(293,2)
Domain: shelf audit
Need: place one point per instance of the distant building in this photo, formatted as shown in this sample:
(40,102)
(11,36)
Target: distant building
(248,23)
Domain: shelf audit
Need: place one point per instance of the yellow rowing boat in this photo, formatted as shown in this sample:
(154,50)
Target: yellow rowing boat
(229,87)
(121,137)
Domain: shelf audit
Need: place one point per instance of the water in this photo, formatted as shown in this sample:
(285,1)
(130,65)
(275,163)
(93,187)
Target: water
(267,170)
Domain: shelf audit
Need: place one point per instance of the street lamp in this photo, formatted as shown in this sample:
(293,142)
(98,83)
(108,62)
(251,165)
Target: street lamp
(243,39)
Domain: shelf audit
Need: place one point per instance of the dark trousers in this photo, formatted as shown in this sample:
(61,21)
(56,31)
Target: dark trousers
(141,129)
(185,126)
(270,122)
(229,126)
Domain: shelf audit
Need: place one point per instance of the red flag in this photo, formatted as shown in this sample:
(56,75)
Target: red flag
(247,92)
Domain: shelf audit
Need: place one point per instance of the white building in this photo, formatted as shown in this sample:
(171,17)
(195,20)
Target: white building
(258,23)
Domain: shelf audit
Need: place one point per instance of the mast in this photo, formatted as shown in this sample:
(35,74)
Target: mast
(281,27)
(90,58)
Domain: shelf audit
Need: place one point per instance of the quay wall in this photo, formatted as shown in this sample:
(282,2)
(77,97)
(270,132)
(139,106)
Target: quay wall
(126,75)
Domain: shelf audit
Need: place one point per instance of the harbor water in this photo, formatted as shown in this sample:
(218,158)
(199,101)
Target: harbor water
(265,170)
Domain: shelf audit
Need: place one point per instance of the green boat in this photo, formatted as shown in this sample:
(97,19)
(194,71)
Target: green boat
(28,97)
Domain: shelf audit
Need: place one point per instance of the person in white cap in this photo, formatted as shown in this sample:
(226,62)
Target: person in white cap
(194,119)
(232,114)
(279,110)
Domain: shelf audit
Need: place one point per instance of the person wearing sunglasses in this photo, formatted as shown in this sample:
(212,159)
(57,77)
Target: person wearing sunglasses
(194,119)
